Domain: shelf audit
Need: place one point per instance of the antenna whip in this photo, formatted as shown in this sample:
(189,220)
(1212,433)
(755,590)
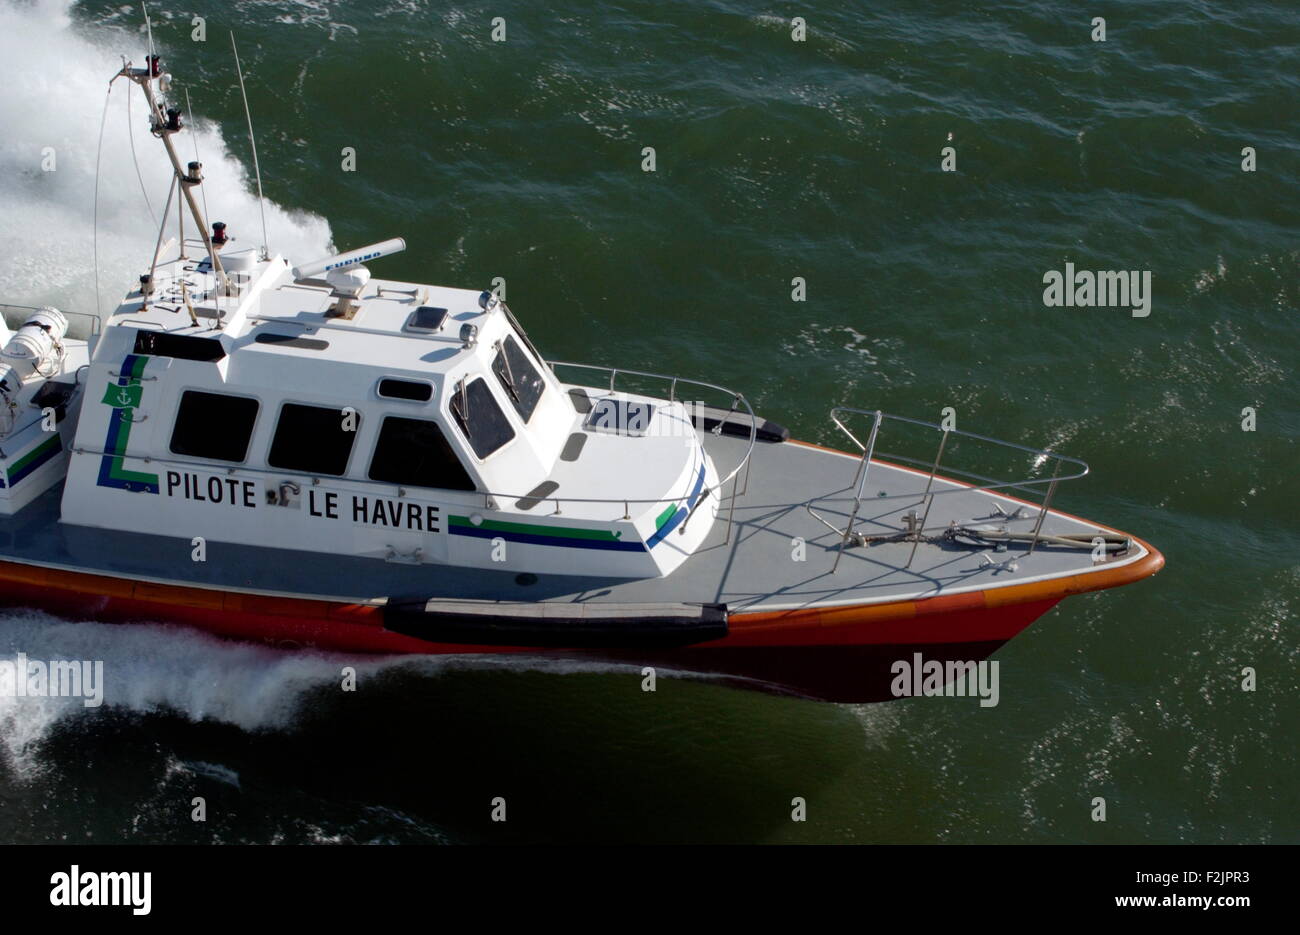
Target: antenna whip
(261,202)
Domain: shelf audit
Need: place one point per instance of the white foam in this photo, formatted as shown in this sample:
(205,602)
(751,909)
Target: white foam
(56,75)
(153,668)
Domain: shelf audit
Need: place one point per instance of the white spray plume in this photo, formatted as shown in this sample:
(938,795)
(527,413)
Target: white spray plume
(56,76)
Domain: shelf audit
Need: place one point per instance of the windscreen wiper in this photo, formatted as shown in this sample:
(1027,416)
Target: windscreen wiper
(508,378)
(460,403)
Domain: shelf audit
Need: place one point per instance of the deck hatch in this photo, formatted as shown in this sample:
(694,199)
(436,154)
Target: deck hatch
(426,319)
(621,417)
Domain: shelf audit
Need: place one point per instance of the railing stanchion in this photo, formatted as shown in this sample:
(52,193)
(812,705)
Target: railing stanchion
(862,482)
(731,511)
(1047,504)
(929,499)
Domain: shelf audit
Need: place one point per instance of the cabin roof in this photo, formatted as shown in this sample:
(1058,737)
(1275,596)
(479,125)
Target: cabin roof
(277,316)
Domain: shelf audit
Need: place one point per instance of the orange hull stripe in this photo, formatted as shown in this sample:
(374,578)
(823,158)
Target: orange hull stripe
(174,595)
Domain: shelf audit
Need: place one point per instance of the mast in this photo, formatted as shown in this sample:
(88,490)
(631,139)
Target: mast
(163,123)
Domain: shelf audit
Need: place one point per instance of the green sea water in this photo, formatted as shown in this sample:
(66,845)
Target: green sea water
(774,159)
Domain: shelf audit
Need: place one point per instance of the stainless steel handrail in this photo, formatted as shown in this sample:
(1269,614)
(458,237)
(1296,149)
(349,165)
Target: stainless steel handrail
(861,479)
(928,493)
(992,483)
(732,478)
(675,381)
(93,319)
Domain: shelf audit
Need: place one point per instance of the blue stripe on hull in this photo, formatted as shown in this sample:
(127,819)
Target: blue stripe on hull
(50,453)
(680,516)
(532,539)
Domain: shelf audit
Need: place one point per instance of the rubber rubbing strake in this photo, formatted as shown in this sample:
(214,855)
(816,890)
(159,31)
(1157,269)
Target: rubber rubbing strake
(575,625)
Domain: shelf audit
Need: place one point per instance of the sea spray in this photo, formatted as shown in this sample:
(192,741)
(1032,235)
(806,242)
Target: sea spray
(153,668)
(56,81)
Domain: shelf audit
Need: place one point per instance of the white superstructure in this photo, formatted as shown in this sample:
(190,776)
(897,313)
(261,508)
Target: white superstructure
(239,396)
(404,421)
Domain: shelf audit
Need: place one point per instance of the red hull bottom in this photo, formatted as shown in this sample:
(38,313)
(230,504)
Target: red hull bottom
(798,653)
(854,672)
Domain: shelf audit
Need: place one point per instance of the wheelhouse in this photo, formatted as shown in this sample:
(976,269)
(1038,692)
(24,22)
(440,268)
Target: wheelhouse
(375,418)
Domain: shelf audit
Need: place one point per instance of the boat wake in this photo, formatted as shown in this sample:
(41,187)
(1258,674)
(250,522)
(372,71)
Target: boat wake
(47,165)
(161,669)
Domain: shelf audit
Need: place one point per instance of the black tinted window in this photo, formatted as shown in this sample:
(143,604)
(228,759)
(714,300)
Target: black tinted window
(213,425)
(414,453)
(405,389)
(520,379)
(480,418)
(313,439)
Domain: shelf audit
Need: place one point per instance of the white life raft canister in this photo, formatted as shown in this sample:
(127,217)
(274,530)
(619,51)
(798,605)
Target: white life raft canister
(38,338)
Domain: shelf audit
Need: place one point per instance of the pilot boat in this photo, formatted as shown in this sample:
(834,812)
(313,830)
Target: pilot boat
(308,456)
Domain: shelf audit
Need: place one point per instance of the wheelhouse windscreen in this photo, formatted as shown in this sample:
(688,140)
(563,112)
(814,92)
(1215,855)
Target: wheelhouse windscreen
(519,378)
(480,418)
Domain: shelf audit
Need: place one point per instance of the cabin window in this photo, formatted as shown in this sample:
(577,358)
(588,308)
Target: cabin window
(410,390)
(415,453)
(519,378)
(314,439)
(479,417)
(214,425)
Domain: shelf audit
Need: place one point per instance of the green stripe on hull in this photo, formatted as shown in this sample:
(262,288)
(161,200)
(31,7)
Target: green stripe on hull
(32,455)
(565,532)
(112,471)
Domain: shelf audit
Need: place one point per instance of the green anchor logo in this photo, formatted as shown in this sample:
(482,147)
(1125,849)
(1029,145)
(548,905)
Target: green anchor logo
(122,397)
